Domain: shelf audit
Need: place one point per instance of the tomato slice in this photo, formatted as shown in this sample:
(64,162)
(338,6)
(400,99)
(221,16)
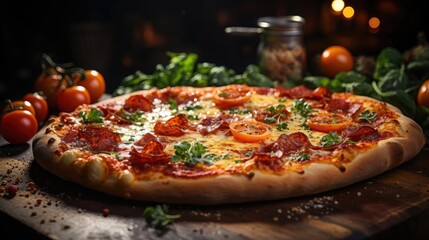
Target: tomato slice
(250,130)
(328,122)
(232,96)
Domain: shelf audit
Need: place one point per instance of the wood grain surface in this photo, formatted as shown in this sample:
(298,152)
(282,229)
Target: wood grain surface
(393,204)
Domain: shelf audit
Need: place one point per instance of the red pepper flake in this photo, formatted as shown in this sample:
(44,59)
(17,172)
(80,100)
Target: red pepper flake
(11,191)
(30,184)
(9,171)
(106,212)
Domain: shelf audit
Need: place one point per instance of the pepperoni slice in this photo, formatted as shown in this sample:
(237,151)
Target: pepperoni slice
(211,124)
(364,134)
(340,105)
(285,145)
(95,138)
(174,126)
(146,138)
(152,152)
(137,103)
(302,91)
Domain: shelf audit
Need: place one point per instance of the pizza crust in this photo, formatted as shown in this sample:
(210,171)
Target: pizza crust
(210,190)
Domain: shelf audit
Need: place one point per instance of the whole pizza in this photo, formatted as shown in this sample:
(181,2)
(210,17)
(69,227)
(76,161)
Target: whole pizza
(230,144)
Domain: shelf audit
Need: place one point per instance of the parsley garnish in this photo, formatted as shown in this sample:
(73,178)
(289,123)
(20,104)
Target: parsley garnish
(330,139)
(302,156)
(192,154)
(235,110)
(302,108)
(367,115)
(269,120)
(158,216)
(134,117)
(173,104)
(193,107)
(223,94)
(282,126)
(193,117)
(278,113)
(93,116)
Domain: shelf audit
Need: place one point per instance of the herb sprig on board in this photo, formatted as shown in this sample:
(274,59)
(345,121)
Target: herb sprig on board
(185,70)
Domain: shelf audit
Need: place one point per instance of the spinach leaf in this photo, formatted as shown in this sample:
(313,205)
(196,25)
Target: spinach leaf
(393,80)
(388,59)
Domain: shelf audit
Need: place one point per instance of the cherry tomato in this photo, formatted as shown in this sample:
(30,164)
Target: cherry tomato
(19,105)
(94,82)
(39,104)
(423,94)
(50,85)
(68,99)
(231,96)
(328,122)
(18,126)
(250,130)
(336,59)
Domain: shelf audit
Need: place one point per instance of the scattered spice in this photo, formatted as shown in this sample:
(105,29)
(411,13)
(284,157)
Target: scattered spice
(106,212)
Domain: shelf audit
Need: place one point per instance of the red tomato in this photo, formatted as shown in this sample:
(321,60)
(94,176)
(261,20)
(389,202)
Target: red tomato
(250,130)
(94,82)
(39,104)
(328,122)
(50,85)
(336,59)
(18,126)
(68,99)
(423,94)
(231,96)
(19,105)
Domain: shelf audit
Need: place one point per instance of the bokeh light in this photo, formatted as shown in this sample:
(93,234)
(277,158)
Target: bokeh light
(348,12)
(337,5)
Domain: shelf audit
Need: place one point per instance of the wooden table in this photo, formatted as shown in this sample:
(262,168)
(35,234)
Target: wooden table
(394,204)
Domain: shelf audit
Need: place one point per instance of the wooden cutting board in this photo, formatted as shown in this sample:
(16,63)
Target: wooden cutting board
(398,199)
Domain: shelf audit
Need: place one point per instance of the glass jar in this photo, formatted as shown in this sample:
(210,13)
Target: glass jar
(281,53)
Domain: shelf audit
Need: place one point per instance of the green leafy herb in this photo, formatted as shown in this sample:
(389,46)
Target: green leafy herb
(235,110)
(135,117)
(282,126)
(173,104)
(302,156)
(301,107)
(278,113)
(193,107)
(158,217)
(269,120)
(183,69)
(193,117)
(192,154)
(223,94)
(330,139)
(367,116)
(93,116)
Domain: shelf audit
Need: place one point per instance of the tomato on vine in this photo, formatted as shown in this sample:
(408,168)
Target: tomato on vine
(18,126)
(39,104)
(68,99)
(19,105)
(94,82)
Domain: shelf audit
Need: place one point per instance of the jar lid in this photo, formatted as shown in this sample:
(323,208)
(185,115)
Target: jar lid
(287,25)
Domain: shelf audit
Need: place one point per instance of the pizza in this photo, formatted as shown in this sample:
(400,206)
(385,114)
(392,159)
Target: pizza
(226,144)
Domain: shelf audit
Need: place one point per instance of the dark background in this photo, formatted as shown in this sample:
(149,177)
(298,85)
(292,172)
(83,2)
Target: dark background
(119,37)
